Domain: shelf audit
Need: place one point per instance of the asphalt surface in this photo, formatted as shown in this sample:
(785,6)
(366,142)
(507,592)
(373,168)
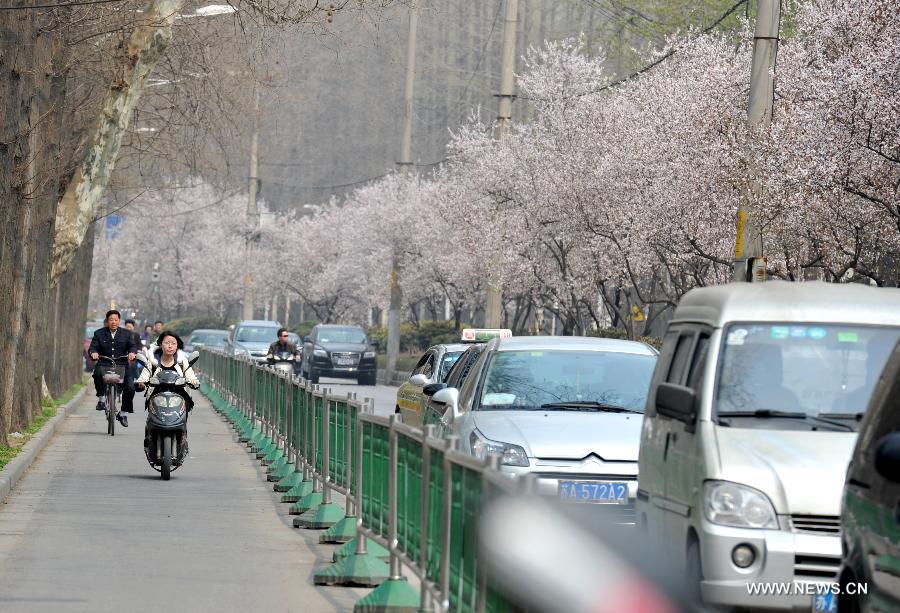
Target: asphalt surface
(91,527)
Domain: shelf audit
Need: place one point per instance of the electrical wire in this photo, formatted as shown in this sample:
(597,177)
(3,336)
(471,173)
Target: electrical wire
(61,5)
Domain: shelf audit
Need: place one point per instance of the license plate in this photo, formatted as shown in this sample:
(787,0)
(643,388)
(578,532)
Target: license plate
(614,492)
(825,603)
(345,361)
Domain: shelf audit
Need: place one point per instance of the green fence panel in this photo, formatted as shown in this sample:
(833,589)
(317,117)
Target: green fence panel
(339,422)
(296,417)
(409,495)
(319,430)
(465,509)
(376,474)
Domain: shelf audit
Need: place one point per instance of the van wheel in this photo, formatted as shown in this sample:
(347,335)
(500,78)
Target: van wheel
(848,603)
(694,571)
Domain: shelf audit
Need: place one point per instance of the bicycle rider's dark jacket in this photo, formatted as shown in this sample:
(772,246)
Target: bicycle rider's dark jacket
(104,344)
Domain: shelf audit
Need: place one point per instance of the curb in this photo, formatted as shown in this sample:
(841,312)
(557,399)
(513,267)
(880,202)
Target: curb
(16,469)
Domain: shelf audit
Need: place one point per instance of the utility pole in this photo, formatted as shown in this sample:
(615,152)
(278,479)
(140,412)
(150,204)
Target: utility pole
(494,304)
(252,212)
(749,263)
(404,163)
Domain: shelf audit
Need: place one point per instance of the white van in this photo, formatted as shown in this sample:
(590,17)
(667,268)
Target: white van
(751,419)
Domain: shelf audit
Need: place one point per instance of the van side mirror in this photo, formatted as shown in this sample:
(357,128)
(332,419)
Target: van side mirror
(432,388)
(449,397)
(677,402)
(887,457)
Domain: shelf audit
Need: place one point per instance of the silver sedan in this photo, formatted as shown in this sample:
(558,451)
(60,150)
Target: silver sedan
(568,409)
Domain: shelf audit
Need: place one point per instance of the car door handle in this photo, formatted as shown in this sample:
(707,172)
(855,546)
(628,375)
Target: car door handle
(666,448)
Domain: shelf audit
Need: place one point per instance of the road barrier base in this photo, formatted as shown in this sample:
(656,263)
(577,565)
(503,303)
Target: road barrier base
(341,532)
(298,492)
(363,570)
(286,470)
(306,503)
(320,517)
(275,466)
(273,456)
(349,548)
(268,447)
(392,596)
(289,482)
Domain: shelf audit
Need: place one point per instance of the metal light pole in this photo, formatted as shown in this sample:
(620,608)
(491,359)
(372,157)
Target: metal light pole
(749,264)
(404,163)
(252,211)
(494,306)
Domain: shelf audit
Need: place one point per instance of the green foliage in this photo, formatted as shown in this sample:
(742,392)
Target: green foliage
(621,333)
(184,326)
(414,339)
(303,328)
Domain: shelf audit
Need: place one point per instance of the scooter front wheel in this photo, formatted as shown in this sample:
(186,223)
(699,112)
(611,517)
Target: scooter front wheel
(166,467)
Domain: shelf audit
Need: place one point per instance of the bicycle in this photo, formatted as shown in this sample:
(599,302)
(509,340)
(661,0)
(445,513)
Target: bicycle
(113,376)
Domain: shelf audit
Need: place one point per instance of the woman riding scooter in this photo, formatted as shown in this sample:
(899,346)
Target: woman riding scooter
(170,356)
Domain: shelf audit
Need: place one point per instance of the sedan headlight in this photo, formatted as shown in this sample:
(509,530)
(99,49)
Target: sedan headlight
(738,506)
(510,455)
(369,354)
(320,353)
(241,351)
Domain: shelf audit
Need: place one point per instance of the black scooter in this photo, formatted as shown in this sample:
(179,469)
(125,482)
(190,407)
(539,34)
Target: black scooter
(165,436)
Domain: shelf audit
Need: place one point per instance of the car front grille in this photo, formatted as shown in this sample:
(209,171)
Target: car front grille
(816,567)
(338,357)
(816,524)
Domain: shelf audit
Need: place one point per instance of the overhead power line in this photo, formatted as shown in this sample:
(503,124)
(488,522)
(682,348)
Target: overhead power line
(60,5)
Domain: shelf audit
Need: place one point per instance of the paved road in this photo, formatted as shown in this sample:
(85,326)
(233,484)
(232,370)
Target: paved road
(385,396)
(91,527)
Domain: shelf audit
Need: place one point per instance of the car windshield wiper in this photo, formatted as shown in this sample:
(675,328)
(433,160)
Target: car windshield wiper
(856,416)
(586,405)
(763,413)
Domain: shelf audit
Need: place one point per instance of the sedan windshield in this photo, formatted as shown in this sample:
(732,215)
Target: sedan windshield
(342,335)
(257,334)
(566,380)
(818,373)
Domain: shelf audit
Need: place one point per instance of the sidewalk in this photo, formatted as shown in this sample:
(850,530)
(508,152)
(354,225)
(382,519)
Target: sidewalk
(92,527)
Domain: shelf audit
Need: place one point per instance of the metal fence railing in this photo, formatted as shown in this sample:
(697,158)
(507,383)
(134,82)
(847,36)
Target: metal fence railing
(411,500)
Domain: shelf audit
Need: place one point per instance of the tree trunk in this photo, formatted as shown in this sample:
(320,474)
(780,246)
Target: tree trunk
(82,198)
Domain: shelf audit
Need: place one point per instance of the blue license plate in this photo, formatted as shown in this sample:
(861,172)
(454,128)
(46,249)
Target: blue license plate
(825,603)
(612,492)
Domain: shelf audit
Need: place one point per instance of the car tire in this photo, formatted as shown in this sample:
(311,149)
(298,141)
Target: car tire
(694,574)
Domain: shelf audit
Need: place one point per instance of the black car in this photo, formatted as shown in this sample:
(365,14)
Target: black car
(339,351)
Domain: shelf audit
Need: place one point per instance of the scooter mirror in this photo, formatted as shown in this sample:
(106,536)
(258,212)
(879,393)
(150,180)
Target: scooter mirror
(193,357)
(153,381)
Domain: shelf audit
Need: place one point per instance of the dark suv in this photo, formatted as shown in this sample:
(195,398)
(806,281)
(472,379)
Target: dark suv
(339,351)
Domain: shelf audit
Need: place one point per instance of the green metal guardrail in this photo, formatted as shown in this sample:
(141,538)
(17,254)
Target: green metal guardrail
(410,497)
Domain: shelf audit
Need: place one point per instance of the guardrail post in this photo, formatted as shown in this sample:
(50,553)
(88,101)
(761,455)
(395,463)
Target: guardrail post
(314,498)
(305,486)
(344,530)
(446,518)
(285,467)
(363,564)
(481,578)
(395,594)
(271,443)
(292,474)
(328,513)
(426,495)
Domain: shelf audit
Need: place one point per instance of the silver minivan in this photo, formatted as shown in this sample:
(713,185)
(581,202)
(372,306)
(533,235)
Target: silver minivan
(751,418)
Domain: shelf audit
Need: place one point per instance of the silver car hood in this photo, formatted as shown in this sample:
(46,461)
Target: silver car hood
(802,472)
(570,435)
(253,346)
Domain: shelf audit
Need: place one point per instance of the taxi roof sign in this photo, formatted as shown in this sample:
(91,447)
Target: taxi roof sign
(482,335)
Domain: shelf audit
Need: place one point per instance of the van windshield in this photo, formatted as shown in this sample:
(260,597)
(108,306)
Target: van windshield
(817,375)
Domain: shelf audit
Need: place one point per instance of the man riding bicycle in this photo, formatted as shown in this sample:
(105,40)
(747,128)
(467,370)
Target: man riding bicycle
(114,342)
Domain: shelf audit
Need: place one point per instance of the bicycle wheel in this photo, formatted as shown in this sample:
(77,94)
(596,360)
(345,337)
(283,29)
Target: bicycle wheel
(111,410)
